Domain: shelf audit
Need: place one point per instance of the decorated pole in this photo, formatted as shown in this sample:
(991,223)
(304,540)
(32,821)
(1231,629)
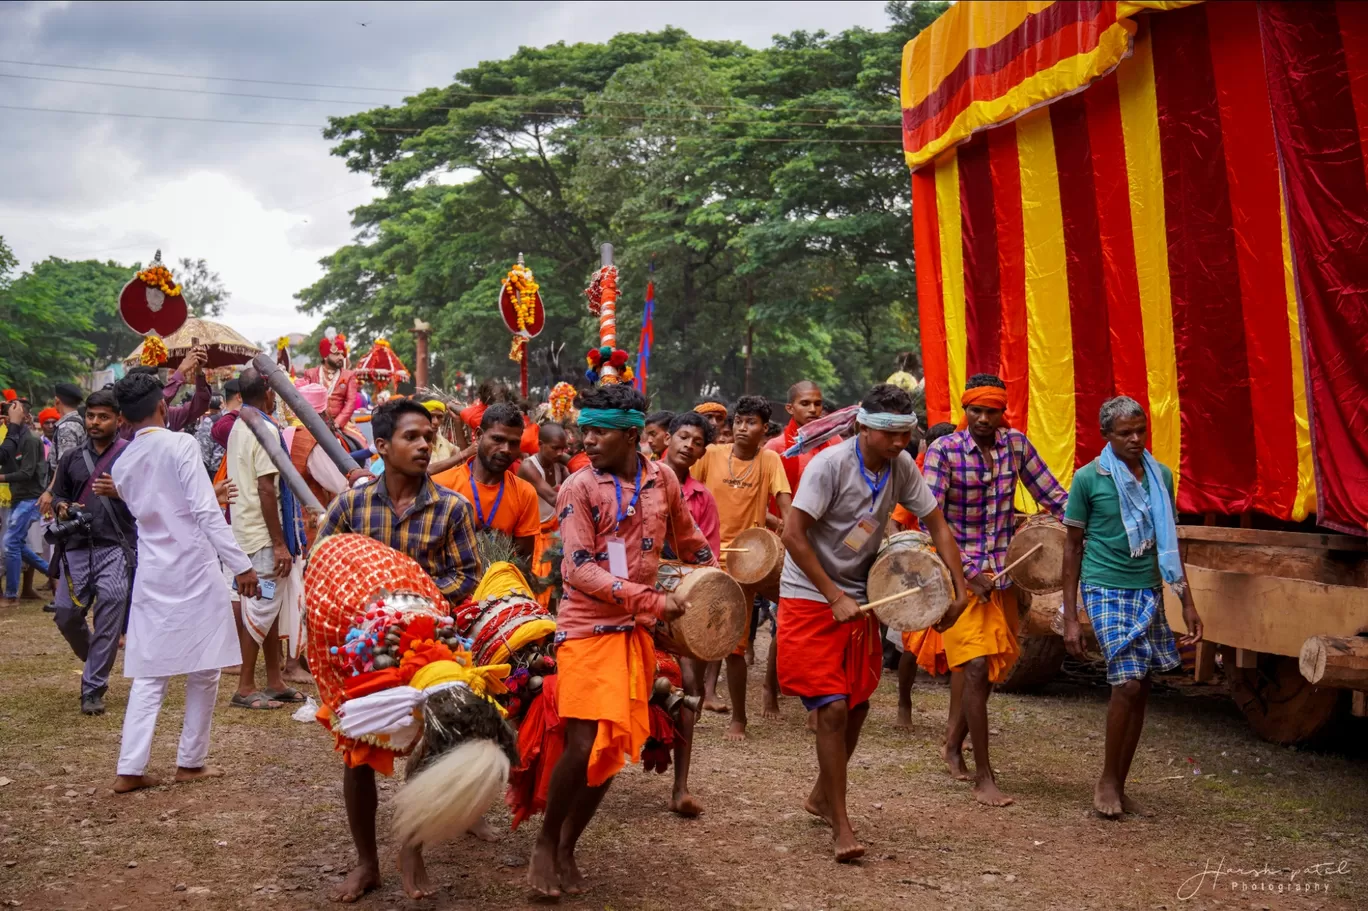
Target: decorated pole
(520,305)
(607,363)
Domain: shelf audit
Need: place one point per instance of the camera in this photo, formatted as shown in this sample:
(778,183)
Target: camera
(77,522)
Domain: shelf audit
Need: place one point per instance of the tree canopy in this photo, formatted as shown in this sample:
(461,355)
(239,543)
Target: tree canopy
(763,191)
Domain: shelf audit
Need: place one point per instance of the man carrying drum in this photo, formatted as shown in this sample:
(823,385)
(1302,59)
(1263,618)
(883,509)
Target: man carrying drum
(973,473)
(830,650)
(614,519)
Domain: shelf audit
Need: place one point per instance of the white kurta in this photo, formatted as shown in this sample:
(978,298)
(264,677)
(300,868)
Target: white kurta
(180,619)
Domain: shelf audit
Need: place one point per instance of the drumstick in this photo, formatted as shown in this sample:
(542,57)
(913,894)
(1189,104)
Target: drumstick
(865,608)
(1019,559)
(736,550)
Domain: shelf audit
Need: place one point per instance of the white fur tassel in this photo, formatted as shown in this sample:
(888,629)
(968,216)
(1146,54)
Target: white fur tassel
(451,795)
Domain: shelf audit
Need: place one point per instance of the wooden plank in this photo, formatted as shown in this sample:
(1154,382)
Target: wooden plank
(1246,659)
(1334,567)
(1268,614)
(1204,671)
(1271,538)
(1360,704)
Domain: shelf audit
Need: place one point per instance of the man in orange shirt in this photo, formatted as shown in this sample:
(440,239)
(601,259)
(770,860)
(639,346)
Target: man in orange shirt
(742,476)
(502,501)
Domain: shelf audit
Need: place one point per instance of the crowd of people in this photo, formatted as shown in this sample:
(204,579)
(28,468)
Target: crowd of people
(190,547)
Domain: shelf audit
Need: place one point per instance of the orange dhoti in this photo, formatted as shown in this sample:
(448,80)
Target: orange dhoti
(823,661)
(541,566)
(928,647)
(608,678)
(986,629)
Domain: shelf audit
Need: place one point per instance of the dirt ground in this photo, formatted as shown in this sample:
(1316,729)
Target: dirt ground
(272,833)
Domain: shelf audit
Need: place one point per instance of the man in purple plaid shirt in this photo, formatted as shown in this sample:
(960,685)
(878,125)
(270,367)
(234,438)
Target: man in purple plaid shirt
(973,473)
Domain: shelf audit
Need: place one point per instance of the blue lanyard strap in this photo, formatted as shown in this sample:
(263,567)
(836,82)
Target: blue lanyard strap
(475,498)
(636,495)
(875,483)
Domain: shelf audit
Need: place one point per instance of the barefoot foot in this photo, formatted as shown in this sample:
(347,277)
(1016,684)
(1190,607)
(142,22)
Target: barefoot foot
(571,880)
(484,831)
(542,874)
(1133,808)
(183,774)
(359,881)
(1107,800)
(817,807)
(848,848)
(986,792)
(716,705)
(954,764)
(123,784)
(413,872)
(770,704)
(685,804)
(736,730)
(904,722)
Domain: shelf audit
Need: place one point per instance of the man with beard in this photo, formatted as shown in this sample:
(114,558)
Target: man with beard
(332,375)
(502,501)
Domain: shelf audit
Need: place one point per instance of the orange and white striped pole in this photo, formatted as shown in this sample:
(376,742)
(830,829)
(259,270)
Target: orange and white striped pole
(608,305)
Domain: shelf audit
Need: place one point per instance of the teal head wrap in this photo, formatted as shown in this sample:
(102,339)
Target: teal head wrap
(612,418)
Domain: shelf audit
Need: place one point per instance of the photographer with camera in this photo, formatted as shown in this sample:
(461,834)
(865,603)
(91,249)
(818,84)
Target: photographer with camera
(96,539)
(22,461)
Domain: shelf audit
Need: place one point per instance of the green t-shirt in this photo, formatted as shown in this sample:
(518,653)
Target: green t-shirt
(1095,507)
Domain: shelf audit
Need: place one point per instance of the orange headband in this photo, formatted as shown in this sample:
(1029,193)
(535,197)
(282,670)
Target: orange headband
(711,408)
(988,397)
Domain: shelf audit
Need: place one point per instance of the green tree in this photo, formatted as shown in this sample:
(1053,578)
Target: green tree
(40,331)
(203,289)
(92,288)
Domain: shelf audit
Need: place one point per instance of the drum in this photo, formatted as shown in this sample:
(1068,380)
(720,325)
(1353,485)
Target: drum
(906,561)
(756,560)
(717,616)
(506,626)
(1042,572)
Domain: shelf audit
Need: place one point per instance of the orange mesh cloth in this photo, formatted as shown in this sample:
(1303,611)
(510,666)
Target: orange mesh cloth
(344,573)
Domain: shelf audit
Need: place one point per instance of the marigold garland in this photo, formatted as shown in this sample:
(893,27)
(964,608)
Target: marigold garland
(562,401)
(522,290)
(154,352)
(158,276)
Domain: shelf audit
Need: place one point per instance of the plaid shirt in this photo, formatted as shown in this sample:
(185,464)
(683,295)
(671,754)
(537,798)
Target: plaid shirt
(976,494)
(437,531)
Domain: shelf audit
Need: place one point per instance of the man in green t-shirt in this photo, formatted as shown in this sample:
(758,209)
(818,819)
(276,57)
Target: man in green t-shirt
(1123,546)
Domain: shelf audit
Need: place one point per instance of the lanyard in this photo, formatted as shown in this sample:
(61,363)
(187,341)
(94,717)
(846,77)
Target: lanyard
(875,483)
(636,494)
(475,498)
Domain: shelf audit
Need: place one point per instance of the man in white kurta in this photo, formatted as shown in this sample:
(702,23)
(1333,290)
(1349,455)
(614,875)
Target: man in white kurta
(180,619)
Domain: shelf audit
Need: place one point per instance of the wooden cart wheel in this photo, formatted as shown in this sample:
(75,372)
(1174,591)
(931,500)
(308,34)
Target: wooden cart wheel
(1279,703)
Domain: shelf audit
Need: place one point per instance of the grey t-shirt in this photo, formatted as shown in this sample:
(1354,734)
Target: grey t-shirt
(837,496)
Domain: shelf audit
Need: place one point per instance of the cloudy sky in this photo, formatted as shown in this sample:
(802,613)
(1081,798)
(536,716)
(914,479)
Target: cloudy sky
(262,203)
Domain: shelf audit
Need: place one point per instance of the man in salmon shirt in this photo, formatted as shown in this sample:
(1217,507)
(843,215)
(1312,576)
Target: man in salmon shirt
(502,501)
(614,519)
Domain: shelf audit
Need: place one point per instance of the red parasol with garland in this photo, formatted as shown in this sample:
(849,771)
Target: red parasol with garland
(520,305)
(152,305)
(381,366)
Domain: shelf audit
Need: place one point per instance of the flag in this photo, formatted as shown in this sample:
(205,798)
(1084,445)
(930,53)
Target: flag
(643,359)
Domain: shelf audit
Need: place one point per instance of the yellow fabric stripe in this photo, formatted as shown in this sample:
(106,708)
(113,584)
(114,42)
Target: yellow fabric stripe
(1127,8)
(952,278)
(1049,333)
(1305,501)
(1065,76)
(938,49)
(1144,173)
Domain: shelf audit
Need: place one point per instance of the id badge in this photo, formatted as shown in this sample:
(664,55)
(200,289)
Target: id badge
(859,535)
(617,557)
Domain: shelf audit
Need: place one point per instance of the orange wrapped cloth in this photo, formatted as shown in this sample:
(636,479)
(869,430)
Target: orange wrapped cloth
(986,629)
(343,575)
(541,566)
(541,740)
(928,647)
(608,678)
(821,660)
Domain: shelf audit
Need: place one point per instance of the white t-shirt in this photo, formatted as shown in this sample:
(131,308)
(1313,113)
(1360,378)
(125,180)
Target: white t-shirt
(247,461)
(837,496)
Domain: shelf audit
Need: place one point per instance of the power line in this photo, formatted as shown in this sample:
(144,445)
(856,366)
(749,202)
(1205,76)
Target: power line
(380,129)
(463,94)
(581,115)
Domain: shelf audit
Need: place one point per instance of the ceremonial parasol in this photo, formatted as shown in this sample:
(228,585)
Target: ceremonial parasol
(382,366)
(225,346)
(520,305)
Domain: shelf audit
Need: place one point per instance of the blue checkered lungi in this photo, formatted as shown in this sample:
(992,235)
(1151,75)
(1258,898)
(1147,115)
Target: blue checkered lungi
(1132,630)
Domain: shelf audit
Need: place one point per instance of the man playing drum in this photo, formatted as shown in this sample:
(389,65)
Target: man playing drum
(973,473)
(830,651)
(742,476)
(614,519)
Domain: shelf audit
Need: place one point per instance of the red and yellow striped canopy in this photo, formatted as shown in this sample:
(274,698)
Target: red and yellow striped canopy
(1132,234)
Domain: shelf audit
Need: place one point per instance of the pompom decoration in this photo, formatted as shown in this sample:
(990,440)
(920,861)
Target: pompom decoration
(595,357)
(591,376)
(605,352)
(618,358)
(154,352)
(282,343)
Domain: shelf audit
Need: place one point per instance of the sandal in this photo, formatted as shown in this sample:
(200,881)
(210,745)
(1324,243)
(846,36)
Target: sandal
(257,702)
(288,695)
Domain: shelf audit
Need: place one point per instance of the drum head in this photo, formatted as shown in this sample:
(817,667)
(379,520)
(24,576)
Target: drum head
(759,553)
(717,616)
(1042,572)
(907,565)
